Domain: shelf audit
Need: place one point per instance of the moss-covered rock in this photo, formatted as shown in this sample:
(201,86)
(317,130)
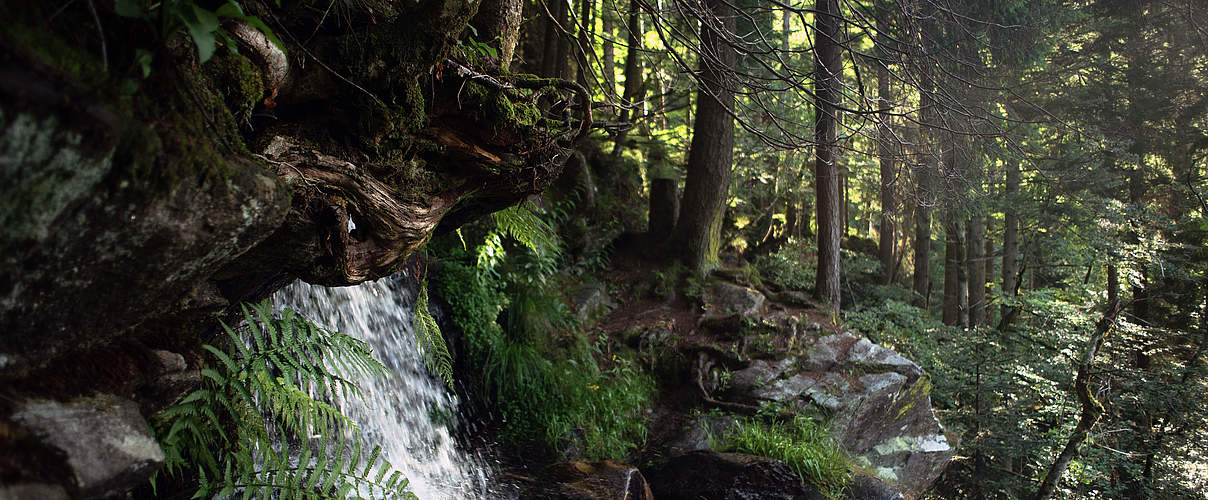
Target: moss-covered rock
(238,81)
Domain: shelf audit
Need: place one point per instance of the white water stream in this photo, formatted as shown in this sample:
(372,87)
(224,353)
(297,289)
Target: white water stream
(400,412)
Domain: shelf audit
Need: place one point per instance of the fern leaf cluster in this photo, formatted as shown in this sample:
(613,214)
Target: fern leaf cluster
(254,430)
(522,223)
(432,342)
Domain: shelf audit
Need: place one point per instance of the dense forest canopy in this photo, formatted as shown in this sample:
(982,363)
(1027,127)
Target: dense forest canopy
(1012,193)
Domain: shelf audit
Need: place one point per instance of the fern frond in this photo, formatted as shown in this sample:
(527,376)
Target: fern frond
(431,340)
(522,223)
(260,388)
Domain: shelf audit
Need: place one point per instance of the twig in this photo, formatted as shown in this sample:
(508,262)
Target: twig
(101,32)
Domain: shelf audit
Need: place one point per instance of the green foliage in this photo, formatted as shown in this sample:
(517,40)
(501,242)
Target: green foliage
(560,398)
(791,268)
(802,443)
(236,434)
(431,341)
(203,25)
(549,384)
(522,223)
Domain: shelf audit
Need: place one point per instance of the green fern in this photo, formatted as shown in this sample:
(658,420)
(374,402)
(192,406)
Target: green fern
(522,223)
(427,332)
(233,435)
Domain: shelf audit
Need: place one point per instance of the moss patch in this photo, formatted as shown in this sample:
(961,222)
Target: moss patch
(239,82)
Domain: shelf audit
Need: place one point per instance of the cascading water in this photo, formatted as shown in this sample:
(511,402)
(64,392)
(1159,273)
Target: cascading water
(398,412)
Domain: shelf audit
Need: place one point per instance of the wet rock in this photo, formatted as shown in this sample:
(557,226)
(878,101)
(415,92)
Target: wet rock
(108,446)
(759,373)
(74,237)
(734,299)
(168,362)
(727,476)
(879,403)
(605,480)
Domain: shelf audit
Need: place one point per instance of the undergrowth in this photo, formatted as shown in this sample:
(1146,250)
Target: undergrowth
(530,359)
(791,268)
(802,443)
(260,425)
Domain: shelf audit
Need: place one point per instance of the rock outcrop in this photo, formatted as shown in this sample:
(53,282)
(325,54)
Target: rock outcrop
(105,440)
(879,405)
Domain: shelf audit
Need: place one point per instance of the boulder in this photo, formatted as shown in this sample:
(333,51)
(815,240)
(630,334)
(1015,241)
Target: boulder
(108,446)
(733,299)
(759,372)
(727,476)
(879,403)
(605,480)
(591,301)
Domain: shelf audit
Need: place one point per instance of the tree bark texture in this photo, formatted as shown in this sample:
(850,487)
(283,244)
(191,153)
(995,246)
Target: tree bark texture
(499,20)
(885,154)
(954,263)
(1010,244)
(697,237)
(828,72)
(664,208)
(975,254)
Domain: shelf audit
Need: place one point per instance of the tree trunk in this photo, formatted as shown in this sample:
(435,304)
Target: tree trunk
(562,55)
(806,222)
(953,262)
(885,250)
(697,236)
(924,199)
(828,71)
(664,208)
(634,88)
(843,215)
(552,36)
(988,259)
(609,58)
(1010,244)
(583,52)
(499,20)
(976,255)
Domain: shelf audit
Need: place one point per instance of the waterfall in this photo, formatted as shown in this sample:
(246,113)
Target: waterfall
(409,412)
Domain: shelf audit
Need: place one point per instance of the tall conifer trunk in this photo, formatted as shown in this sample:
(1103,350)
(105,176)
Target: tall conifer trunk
(1010,245)
(885,248)
(828,71)
(697,236)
